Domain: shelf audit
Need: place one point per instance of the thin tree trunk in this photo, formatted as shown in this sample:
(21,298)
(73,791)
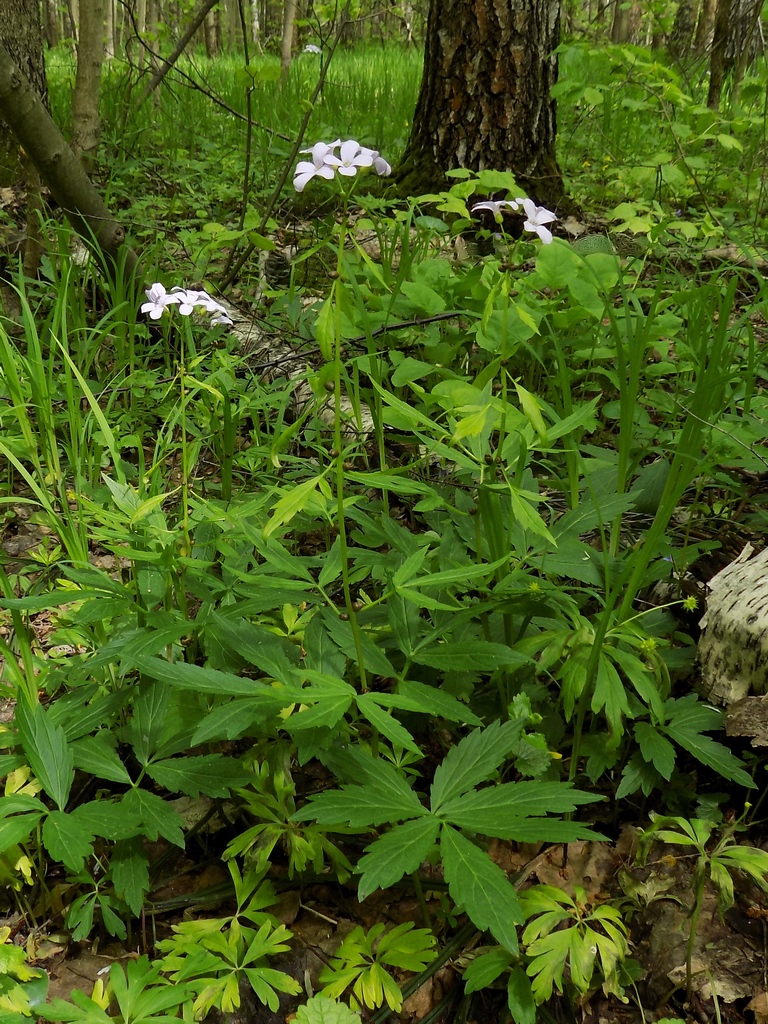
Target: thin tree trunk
(211,29)
(59,168)
(704,27)
(717,58)
(289,19)
(51,20)
(746,52)
(620,26)
(85,100)
(109,41)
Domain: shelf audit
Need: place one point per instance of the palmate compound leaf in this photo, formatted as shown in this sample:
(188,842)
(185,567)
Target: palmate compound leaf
(49,754)
(473,760)
(399,852)
(481,888)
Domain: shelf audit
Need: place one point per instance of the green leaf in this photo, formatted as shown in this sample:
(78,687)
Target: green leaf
(481,888)
(157,817)
(469,656)
(230,720)
(49,754)
(212,774)
(655,748)
(145,730)
(710,753)
(500,810)
(376,662)
(129,871)
(108,818)
(486,968)
(383,797)
(325,330)
(322,1010)
(16,830)
(432,701)
(67,839)
(473,760)
(270,653)
(522,1005)
(206,680)
(398,852)
(388,726)
(96,755)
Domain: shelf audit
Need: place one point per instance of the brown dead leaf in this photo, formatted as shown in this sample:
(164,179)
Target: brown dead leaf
(590,865)
(759,1006)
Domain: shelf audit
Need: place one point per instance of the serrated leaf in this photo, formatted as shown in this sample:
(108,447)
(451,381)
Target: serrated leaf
(212,774)
(481,888)
(469,656)
(108,818)
(385,797)
(398,852)
(473,760)
(97,756)
(432,701)
(655,748)
(712,754)
(145,728)
(67,839)
(205,680)
(49,754)
(129,870)
(229,721)
(501,810)
(270,653)
(157,817)
(388,726)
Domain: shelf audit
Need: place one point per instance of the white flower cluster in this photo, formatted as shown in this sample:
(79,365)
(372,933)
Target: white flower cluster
(311,48)
(326,164)
(536,216)
(186,299)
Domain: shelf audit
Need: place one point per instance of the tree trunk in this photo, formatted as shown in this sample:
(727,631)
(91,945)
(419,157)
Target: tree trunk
(704,27)
(22,35)
(717,59)
(85,100)
(621,24)
(57,165)
(484,100)
(110,44)
(211,28)
(289,20)
(51,20)
(681,38)
(745,48)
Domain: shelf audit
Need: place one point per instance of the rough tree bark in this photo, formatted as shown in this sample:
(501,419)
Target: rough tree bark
(289,22)
(85,100)
(43,143)
(717,59)
(22,35)
(484,100)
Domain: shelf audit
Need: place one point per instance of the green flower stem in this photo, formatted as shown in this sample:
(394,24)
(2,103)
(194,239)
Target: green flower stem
(339,456)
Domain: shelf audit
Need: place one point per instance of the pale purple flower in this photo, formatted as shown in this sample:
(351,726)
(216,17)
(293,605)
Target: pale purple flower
(311,48)
(186,299)
(317,166)
(379,164)
(352,157)
(497,206)
(159,299)
(537,217)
